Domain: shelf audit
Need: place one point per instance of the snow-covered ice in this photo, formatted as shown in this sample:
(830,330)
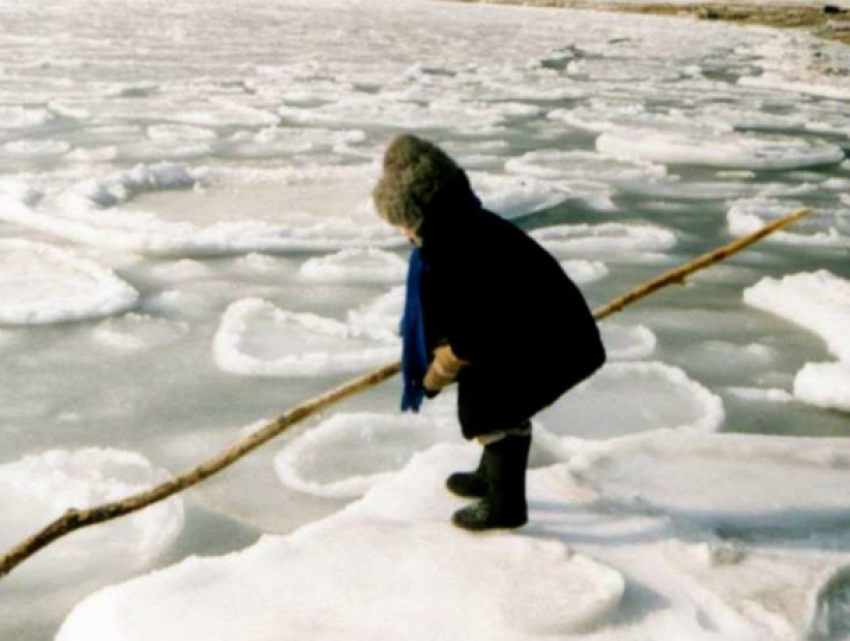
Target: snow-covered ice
(582,165)
(257,338)
(38,488)
(349,453)
(631,397)
(660,498)
(133,332)
(737,151)
(819,302)
(748,215)
(628,342)
(585,271)
(44,284)
(355,265)
(381,314)
(616,240)
(192,188)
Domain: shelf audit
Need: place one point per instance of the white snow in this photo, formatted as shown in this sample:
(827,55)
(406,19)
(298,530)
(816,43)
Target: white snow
(825,385)
(616,240)
(736,151)
(294,210)
(758,394)
(256,338)
(748,215)
(630,397)
(355,266)
(444,585)
(627,342)
(39,488)
(585,271)
(819,302)
(623,517)
(582,165)
(205,154)
(512,196)
(173,133)
(381,314)
(135,332)
(22,118)
(348,454)
(43,284)
(730,483)
(37,148)
(182,270)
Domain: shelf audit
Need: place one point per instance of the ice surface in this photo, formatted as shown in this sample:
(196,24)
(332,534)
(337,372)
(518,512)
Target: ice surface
(349,453)
(627,398)
(355,266)
(728,483)
(582,165)
(519,96)
(182,270)
(645,509)
(675,189)
(748,215)
(825,385)
(294,210)
(603,115)
(627,342)
(819,302)
(613,240)
(445,584)
(134,332)
(512,196)
(256,338)
(277,141)
(260,263)
(759,394)
(43,284)
(799,74)
(22,118)
(172,133)
(39,488)
(739,151)
(585,271)
(37,148)
(382,314)
(364,111)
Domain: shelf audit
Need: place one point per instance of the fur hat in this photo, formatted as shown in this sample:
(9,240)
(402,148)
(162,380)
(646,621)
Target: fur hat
(416,174)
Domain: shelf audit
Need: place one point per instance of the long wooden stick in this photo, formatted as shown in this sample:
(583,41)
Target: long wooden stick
(679,274)
(75,519)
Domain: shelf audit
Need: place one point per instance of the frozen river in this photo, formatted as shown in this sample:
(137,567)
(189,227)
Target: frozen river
(187,246)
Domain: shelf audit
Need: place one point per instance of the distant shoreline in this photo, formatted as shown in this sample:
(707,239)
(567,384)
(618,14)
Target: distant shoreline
(829,26)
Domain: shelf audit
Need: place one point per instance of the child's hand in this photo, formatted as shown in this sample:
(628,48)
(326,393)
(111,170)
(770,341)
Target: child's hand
(444,368)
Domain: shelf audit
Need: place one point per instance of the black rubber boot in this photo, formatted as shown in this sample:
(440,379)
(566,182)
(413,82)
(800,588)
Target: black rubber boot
(504,505)
(470,484)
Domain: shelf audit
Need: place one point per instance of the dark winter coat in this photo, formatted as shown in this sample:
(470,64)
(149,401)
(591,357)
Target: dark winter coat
(504,304)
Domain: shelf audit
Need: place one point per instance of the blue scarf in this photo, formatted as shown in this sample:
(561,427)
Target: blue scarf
(414,352)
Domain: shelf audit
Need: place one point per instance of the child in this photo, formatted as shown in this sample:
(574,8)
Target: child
(489,308)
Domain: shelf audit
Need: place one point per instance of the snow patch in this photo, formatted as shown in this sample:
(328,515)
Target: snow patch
(256,338)
(626,398)
(737,151)
(42,284)
(37,489)
(615,239)
(348,454)
(819,302)
(355,266)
